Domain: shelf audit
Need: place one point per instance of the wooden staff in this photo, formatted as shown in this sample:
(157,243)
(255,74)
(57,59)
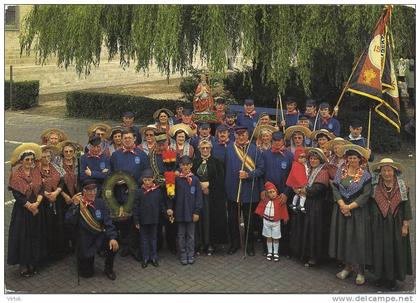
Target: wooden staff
(316,119)
(277,112)
(370,120)
(282,113)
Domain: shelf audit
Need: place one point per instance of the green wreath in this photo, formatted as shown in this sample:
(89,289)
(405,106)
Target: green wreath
(119,211)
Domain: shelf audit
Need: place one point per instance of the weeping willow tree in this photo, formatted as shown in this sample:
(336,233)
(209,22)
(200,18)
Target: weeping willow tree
(309,41)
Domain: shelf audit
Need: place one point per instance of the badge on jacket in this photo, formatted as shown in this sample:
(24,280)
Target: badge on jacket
(102,165)
(192,190)
(283,164)
(98,214)
(137,160)
(330,126)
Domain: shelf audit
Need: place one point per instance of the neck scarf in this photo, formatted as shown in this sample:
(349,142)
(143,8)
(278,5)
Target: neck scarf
(223,142)
(91,155)
(24,184)
(325,120)
(70,178)
(87,202)
(355,186)
(129,150)
(149,189)
(279,150)
(50,178)
(188,177)
(317,175)
(251,114)
(389,200)
(293,112)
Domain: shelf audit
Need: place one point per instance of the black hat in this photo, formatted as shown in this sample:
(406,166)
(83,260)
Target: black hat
(160,137)
(290,100)
(222,127)
(89,184)
(147,173)
(239,129)
(220,101)
(185,160)
(95,140)
(249,102)
(277,136)
(356,123)
(128,115)
(324,105)
(230,113)
(187,111)
(178,105)
(204,125)
(310,102)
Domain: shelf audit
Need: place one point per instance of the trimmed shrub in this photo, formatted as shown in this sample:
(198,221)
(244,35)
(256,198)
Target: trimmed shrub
(25,94)
(112,106)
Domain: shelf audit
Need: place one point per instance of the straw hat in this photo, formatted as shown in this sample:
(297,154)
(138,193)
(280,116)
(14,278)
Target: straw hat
(297,128)
(317,151)
(95,126)
(336,141)
(360,150)
(180,126)
(387,162)
(77,147)
(322,131)
(47,132)
(148,127)
(167,111)
(24,148)
(260,128)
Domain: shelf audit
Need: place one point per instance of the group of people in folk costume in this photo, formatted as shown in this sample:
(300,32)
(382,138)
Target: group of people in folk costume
(309,194)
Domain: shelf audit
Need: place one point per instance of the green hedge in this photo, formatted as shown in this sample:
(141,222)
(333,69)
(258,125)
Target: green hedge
(25,94)
(112,106)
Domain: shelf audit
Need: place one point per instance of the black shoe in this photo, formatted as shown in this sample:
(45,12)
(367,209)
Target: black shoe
(125,252)
(110,274)
(137,257)
(155,263)
(144,264)
(391,285)
(232,250)
(250,252)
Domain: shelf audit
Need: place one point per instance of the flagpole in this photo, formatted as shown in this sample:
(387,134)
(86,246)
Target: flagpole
(370,120)
(277,111)
(282,114)
(347,84)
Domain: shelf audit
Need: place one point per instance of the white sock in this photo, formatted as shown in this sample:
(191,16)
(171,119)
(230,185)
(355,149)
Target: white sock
(276,247)
(270,247)
(295,200)
(302,201)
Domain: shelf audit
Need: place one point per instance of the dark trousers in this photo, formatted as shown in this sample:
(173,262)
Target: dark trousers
(248,215)
(86,265)
(170,235)
(202,227)
(185,240)
(148,239)
(128,235)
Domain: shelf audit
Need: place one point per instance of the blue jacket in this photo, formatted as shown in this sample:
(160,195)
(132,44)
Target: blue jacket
(188,199)
(277,169)
(89,241)
(332,125)
(148,206)
(249,123)
(130,163)
(219,150)
(233,165)
(290,119)
(96,165)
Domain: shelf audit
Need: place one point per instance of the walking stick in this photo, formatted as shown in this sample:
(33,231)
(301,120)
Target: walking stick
(249,213)
(316,120)
(78,155)
(370,120)
(282,113)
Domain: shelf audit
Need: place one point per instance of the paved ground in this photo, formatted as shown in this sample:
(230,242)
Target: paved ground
(217,274)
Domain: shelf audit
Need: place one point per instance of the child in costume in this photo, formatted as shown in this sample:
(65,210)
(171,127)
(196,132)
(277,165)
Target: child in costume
(298,178)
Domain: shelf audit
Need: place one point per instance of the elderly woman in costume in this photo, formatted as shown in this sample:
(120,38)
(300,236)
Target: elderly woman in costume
(296,136)
(309,230)
(53,183)
(212,228)
(163,120)
(350,236)
(180,135)
(391,214)
(27,239)
(148,141)
(334,161)
(115,139)
(264,136)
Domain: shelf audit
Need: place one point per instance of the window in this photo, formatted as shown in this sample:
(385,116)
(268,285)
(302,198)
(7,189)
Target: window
(11,17)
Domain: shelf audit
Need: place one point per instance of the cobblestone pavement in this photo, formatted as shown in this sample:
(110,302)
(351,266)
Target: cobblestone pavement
(220,273)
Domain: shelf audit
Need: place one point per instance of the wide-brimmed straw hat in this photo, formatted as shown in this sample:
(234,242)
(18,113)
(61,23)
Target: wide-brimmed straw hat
(167,111)
(180,126)
(317,151)
(334,142)
(47,132)
(322,131)
(297,128)
(148,127)
(260,128)
(92,129)
(77,147)
(386,162)
(358,149)
(25,148)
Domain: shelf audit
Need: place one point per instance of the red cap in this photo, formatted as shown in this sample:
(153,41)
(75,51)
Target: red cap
(268,185)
